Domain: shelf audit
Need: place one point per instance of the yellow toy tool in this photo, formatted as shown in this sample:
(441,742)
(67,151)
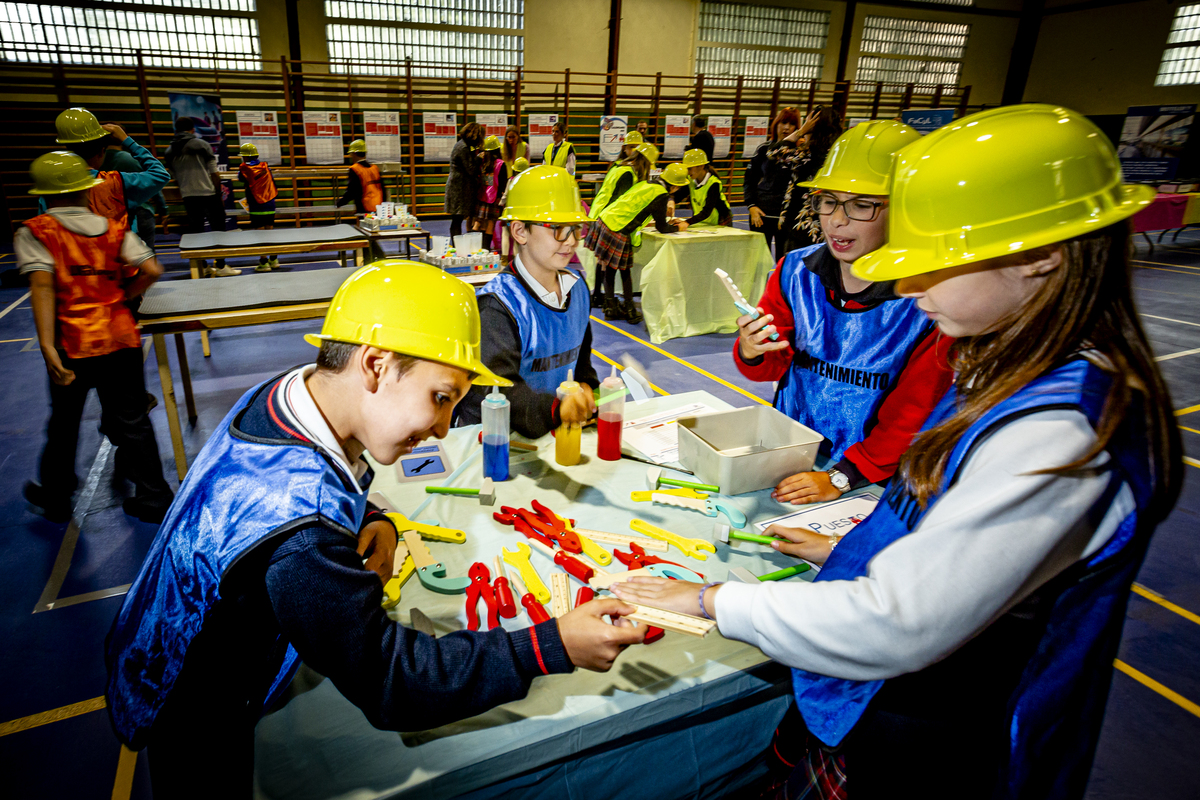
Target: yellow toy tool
(690,494)
(590,549)
(405,569)
(529,576)
(692,548)
(432,533)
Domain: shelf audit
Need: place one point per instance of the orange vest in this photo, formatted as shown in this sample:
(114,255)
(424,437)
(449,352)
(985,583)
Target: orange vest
(89,301)
(108,199)
(370,179)
(262,184)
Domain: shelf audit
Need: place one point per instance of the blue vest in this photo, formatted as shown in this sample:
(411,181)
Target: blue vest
(550,338)
(1055,709)
(845,362)
(239,493)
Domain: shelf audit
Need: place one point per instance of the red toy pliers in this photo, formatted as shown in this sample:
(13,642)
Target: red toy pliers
(513,516)
(637,558)
(481,586)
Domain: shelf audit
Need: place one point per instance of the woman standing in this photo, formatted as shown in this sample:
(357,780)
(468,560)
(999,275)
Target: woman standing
(511,149)
(803,153)
(767,182)
(465,178)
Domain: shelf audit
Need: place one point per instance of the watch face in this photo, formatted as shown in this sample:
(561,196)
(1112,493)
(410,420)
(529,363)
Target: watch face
(839,481)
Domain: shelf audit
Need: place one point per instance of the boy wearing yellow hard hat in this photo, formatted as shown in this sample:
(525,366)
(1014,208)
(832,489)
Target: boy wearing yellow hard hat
(618,232)
(536,313)
(709,206)
(632,140)
(259,563)
(259,185)
(364,182)
(854,362)
(83,269)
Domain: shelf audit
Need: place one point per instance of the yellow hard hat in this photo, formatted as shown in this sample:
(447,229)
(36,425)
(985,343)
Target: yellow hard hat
(248,150)
(78,125)
(544,194)
(491,142)
(633,137)
(1000,182)
(649,151)
(860,161)
(61,173)
(695,158)
(675,174)
(358,146)
(521,164)
(412,309)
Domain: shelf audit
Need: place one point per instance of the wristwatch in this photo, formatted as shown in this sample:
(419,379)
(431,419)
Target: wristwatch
(839,480)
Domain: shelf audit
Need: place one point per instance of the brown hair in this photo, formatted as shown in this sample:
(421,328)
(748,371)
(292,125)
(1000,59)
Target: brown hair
(1084,304)
(334,356)
(561,126)
(788,114)
(640,165)
(507,156)
(471,133)
(820,139)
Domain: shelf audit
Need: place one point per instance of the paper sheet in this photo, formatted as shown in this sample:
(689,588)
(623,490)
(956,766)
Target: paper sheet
(323,137)
(837,517)
(657,436)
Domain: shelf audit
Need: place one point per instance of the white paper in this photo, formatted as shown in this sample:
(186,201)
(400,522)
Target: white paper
(540,126)
(657,436)
(756,133)
(493,124)
(261,129)
(323,137)
(837,517)
(440,132)
(612,137)
(382,129)
(679,132)
(721,129)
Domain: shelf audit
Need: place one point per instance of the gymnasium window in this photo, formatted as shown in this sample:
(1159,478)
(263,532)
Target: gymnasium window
(1181,60)
(760,42)
(901,51)
(442,38)
(95,33)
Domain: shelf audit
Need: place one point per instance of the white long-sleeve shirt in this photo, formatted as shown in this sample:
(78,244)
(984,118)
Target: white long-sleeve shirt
(997,535)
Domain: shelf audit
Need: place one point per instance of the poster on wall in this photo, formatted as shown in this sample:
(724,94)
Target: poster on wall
(756,134)
(440,132)
(323,137)
(721,129)
(261,129)
(493,124)
(540,126)
(381,129)
(679,132)
(927,120)
(205,111)
(612,136)
(1152,141)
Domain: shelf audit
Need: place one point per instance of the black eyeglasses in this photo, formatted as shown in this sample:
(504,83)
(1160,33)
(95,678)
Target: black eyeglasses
(562,232)
(857,208)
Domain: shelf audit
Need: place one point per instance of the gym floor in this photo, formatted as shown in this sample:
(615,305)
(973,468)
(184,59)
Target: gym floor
(60,587)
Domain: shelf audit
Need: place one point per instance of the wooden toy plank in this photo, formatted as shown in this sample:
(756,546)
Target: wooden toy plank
(624,539)
(560,591)
(673,621)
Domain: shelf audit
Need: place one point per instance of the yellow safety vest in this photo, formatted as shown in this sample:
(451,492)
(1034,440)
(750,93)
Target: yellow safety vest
(560,160)
(700,194)
(604,193)
(621,211)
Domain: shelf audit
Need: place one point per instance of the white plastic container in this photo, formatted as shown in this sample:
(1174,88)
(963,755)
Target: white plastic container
(746,449)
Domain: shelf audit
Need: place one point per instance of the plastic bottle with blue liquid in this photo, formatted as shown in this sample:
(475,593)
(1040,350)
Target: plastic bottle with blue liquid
(494,414)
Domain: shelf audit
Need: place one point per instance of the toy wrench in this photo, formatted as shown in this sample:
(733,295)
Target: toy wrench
(675,572)
(589,548)
(391,590)
(692,548)
(509,516)
(529,575)
(481,587)
(434,533)
(643,496)
(708,507)
(432,573)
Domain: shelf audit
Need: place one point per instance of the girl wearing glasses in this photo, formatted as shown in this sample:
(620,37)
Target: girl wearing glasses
(534,315)
(970,623)
(854,362)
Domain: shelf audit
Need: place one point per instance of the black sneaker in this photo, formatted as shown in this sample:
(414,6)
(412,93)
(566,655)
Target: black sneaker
(630,312)
(54,509)
(597,300)
(612,309)
(147,509)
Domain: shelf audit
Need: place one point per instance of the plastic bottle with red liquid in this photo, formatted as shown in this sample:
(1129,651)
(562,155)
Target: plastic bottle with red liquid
(611,417)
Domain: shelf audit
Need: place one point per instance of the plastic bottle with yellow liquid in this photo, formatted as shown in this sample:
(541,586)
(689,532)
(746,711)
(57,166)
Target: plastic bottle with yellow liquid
(566,438)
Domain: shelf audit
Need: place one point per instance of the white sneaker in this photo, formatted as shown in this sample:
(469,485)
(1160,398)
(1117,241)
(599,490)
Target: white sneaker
(226,272)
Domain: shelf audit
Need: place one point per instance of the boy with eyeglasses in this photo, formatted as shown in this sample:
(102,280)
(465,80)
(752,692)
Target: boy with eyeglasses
(854,362)
(535,315)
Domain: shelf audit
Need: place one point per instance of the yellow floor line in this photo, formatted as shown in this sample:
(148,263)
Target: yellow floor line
(6,341)
(1191,462)
(1160,269)
(621,367)
(1150,683)
(123,785)
(53,715)
(1161,264)
(1187,410)
(1155,597)
(690,366)
(1189,430)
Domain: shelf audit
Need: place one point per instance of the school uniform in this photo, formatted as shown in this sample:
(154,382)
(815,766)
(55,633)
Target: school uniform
(709,206)
(532,338)
(864,370)
(619,180)
(619,231)
(487,204)
(254,569)
(261,192)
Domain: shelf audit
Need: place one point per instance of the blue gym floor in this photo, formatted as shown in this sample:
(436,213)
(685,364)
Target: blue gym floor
(55,739)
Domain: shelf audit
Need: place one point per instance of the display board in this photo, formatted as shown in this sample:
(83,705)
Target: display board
(540,128)
(1152,141)
(926,120)
(261,129)
(493,124)
(721,129)
(756,133)
(323,137)
(440,132)
(679,132)
(381,129)
(612,136)
(205,111)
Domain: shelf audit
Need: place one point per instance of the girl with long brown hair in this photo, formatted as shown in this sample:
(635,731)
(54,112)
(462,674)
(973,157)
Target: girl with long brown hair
(972,619)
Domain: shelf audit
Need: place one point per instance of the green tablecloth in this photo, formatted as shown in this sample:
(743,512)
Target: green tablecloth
(674,272)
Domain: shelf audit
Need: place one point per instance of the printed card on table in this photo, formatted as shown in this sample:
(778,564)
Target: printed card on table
(838,517)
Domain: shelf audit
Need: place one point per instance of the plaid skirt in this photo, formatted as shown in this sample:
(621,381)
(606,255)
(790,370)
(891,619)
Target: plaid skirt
(612,248)
(591,233)
(486,210)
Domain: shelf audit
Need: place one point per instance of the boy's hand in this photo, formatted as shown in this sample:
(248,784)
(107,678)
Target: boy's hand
(591,642)
(58,373)
(681,225)
(756,217)
(377,541)
(117,131)
(801,543)
(753,333)
(682,597)
(579,407)
(806,487)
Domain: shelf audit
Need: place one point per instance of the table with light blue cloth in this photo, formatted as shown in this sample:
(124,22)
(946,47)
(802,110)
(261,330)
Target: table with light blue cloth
(682,717)
(674,272)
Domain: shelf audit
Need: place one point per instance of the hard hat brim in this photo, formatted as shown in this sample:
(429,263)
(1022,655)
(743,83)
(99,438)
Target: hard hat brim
(483,375)
(863,187)
(546,216)
(95,182)
(80,140)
